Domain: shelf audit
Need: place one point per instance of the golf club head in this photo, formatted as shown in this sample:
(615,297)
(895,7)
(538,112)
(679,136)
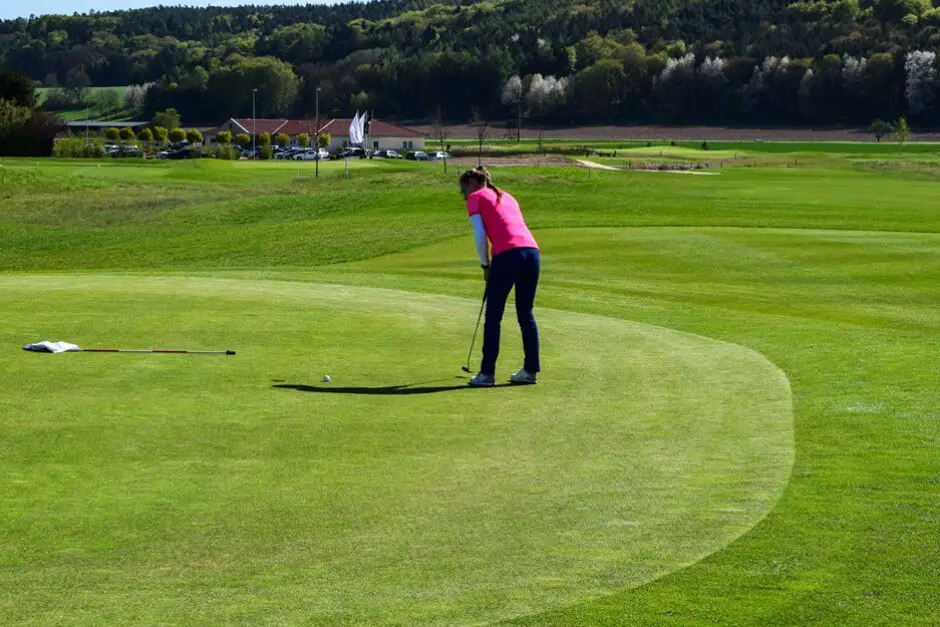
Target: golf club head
(466,369)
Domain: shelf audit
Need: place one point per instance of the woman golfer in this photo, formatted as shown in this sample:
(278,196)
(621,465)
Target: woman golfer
(495,216)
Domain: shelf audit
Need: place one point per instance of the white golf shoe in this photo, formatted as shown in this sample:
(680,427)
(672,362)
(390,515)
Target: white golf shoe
(524,378)
(481,380)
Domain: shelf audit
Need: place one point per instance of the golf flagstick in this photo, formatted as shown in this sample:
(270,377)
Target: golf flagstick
(163,351)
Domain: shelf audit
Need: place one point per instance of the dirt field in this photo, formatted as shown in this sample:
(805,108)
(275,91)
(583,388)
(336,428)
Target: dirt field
(683,133)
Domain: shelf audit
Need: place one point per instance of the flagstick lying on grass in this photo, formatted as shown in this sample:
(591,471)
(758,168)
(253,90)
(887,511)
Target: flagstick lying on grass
(65,347)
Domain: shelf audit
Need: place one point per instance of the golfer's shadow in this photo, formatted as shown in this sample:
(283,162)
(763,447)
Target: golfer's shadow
(389,390)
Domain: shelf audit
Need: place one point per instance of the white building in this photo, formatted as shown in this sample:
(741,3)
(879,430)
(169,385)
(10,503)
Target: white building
(381,136)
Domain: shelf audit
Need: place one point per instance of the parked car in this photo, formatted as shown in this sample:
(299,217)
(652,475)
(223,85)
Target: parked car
(388,154)
(418,155)
(352,153)
(181,153)
(437,156)
(287,152)
(310,154)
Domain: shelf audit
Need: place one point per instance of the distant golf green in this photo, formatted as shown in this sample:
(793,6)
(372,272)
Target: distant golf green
(737,421)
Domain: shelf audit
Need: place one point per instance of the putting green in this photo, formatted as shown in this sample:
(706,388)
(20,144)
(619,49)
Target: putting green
(224,489)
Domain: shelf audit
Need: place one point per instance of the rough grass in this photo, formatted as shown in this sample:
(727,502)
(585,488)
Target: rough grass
(129,478)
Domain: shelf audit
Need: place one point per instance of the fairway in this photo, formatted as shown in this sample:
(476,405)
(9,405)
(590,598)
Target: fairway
(736,423)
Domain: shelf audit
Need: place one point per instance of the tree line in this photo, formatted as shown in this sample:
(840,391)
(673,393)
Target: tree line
(549,61)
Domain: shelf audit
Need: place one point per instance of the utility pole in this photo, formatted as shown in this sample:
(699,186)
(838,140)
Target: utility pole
(316,144)
(254,126)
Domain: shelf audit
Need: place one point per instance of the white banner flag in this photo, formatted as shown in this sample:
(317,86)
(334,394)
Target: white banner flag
(355,130)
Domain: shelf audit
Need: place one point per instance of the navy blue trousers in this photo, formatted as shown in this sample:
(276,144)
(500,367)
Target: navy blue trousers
(517,267)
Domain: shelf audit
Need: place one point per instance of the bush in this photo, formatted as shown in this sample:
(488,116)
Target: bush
(282,139)
(112,134)
(325,140)
(177,135)
(146,135)
(224,137)
(303,140)
(193,136)
(126,133)
(226,151)
(71,148)
(266,153)
(264,139)
(243,140)
(26,132)
(94,151)
(168,119)
(705,145)
(160,134)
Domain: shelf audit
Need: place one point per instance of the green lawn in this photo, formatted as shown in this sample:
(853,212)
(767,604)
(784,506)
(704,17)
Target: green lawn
(80,114)
(737,422)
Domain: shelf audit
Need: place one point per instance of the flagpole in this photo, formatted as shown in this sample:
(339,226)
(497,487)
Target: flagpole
(353,137)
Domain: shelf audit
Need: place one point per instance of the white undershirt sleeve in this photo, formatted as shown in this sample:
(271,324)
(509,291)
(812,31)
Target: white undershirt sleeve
(479,238)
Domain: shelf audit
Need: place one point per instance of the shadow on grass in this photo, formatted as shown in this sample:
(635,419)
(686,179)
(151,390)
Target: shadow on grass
(389,390)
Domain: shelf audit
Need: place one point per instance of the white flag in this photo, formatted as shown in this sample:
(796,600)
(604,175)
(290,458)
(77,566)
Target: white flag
(362,127)
(355,130)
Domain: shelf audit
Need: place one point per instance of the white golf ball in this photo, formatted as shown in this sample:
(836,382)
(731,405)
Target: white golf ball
(326,378)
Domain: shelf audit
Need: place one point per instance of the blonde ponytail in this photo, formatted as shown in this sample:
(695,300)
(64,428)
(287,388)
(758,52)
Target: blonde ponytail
(481,175)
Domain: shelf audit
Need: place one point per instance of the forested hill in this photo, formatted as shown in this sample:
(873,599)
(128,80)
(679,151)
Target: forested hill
(743,61)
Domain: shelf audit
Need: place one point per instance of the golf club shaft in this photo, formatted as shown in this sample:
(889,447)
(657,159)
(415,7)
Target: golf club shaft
(164,351)
(476,330)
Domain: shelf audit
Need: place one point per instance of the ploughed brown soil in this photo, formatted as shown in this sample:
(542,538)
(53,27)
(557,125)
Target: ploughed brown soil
(678,133)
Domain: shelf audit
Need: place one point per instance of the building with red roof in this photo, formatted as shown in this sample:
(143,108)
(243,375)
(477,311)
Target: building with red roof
(381,135)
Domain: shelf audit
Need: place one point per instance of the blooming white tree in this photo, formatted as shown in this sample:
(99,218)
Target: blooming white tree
(558,92)
(806,92)
(712,68)
(775,65)
(512,91)
(537,96)
(675,66)
(853,69)
(136,95)
(513,94)
(752,91)
(921,79)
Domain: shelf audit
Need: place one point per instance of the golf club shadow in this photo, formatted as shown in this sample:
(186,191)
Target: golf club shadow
(389,390)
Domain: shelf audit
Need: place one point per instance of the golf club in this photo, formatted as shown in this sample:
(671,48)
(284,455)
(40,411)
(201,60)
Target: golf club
(466,367)
(173,352)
